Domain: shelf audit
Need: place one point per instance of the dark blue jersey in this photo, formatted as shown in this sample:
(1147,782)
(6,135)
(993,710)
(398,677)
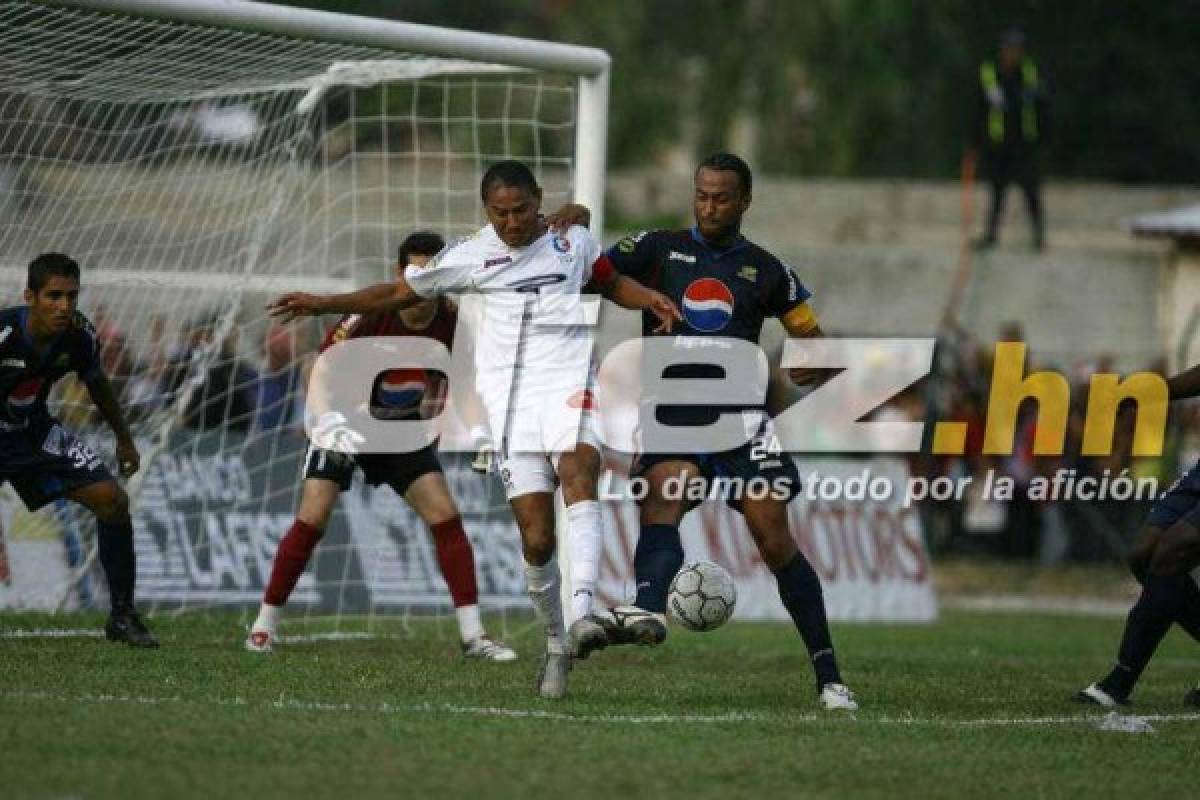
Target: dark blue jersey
(722,292)
(27,375)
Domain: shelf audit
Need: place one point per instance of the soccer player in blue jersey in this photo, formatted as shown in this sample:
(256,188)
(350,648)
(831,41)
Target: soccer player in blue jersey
(39,343)
(726,286)
(1166,562)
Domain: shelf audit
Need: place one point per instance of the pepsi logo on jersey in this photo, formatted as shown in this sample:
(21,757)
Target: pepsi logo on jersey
(401,388)
(24,395)
(707,304)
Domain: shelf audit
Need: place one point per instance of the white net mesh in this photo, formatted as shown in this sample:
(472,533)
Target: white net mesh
(194,172)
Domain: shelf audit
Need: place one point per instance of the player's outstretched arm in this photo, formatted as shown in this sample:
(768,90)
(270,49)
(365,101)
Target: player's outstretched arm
(628,293)
(380,297)
(1185,384)
(101,391)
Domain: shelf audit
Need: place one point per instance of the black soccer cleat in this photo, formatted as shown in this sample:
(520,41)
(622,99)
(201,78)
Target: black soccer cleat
(586,635)
(1095,696)
(1192,698)
(127,627)
(633,625)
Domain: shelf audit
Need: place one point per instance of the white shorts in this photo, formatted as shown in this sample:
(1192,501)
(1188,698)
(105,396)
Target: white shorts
(544,424)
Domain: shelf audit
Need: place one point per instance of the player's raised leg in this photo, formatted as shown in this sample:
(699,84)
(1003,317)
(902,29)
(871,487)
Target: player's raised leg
(534,513)
(295,549)
(800,591)
(114,543)
(578,473)
(430,497)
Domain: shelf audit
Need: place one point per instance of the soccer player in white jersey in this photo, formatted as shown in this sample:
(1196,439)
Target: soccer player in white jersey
(533,371)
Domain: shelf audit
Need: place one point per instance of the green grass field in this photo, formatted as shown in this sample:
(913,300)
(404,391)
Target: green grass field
(976,704)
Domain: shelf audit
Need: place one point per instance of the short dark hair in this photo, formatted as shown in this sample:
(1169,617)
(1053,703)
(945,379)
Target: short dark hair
(510,174)
(728,162)
(49,265)
(419,243)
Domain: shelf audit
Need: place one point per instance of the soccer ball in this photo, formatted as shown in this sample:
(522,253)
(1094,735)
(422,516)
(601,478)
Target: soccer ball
(702,596)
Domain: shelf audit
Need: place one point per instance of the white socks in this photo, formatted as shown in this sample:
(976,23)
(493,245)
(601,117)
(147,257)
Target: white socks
(470,626)
(544,585)
(268,618)
(585,532)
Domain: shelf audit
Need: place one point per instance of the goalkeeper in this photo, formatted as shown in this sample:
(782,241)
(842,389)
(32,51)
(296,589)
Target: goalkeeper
(417,477)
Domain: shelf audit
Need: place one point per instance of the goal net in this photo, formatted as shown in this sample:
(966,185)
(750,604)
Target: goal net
(199,158)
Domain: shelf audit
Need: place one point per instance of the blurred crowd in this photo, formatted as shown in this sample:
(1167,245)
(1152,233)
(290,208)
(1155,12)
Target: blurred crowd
(211,379)
(1053,530)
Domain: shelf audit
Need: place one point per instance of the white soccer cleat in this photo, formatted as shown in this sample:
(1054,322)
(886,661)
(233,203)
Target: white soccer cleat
(485,648)
(837,697)
(1096,696)
(552,677)
(261,640)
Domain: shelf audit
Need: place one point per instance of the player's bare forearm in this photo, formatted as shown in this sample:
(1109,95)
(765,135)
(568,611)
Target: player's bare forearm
(101,391)
(1185,384)
(629,293)
(803,376)
(372,299)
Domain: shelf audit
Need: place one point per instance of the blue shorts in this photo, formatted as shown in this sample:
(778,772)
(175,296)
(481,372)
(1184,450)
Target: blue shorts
(46,461)
(1181,502)
(742,471)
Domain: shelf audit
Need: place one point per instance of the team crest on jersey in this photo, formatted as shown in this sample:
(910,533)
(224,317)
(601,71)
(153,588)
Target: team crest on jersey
(582,399)
(561,244)
(748,273)
(629,243)
(707,305)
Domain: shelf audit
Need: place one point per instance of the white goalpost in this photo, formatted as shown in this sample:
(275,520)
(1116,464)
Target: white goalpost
(200,156)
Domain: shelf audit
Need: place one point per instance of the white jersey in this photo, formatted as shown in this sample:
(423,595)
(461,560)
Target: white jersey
(533,317)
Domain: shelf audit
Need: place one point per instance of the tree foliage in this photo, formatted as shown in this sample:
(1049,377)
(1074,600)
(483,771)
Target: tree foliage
(868,87)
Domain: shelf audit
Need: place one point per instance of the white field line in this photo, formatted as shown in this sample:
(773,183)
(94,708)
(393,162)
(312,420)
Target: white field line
(93,633)
(451,709)
(51,633)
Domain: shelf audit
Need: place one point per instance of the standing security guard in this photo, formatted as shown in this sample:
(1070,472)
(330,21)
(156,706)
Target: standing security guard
(1008,126)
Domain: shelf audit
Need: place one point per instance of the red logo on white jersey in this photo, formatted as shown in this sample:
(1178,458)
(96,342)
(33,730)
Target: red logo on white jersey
(582,399)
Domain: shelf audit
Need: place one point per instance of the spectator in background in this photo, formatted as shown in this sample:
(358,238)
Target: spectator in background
(223,388)
(147,390)
(1008,126)
(281,382)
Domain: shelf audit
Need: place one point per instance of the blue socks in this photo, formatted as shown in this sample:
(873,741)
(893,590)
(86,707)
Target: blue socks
(800,591)
(658,556)
(114,543)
